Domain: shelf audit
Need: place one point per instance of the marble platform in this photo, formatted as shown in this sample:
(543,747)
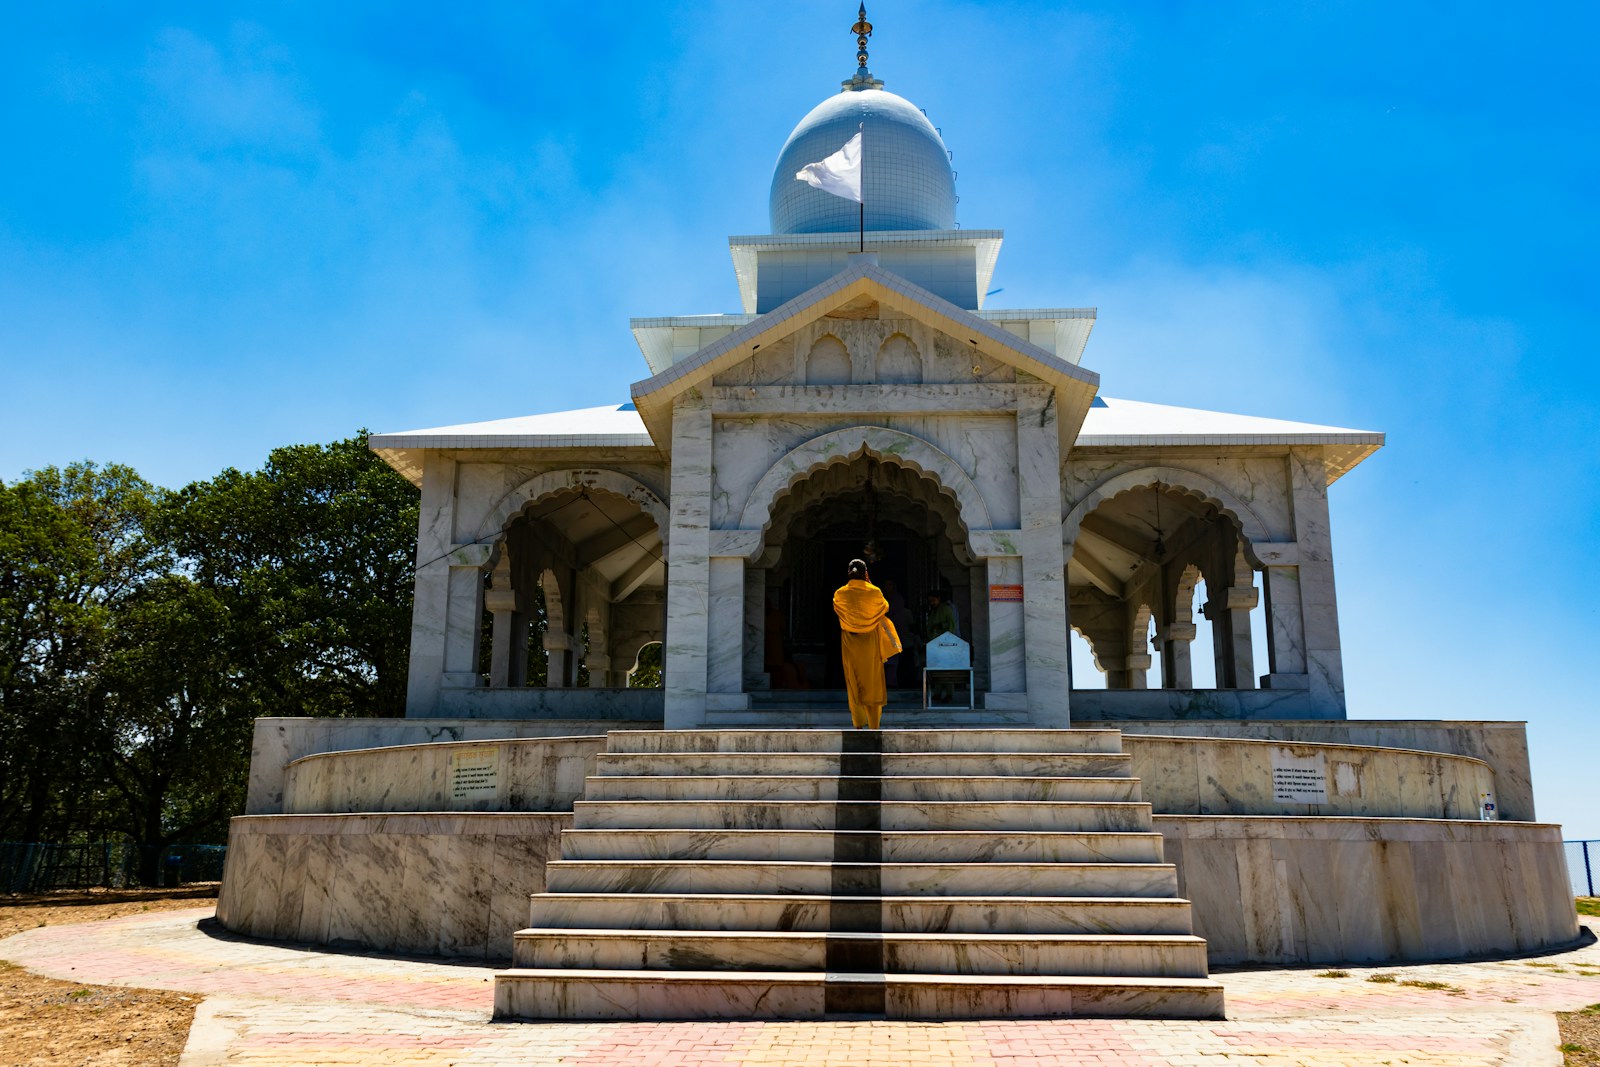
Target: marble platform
(706,902)
(1391,866)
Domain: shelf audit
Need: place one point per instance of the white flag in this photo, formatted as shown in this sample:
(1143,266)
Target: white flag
(839,174)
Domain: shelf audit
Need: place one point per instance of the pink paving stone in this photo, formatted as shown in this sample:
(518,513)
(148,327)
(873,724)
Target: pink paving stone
(1322,1039)
(372,1041)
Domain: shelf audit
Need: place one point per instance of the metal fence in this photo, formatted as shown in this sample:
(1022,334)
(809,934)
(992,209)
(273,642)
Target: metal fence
(32,867)
(1583,865)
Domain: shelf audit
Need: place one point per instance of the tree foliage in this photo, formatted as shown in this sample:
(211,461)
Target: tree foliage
(142,631)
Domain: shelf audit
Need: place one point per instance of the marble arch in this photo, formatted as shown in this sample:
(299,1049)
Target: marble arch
(1193,483)
(851,443)
(535,489)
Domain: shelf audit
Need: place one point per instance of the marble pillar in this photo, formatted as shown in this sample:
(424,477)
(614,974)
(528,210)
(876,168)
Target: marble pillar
(1318,604)
(559,657)
(725,634)
(688,563)
(1044,587)
(755,629)
(1242,600)
(431,589)
(1177,661)
(1007,664)
(464,616)
(508,657)
(1286,647)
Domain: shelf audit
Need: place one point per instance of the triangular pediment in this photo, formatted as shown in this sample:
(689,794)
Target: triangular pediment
(863,291)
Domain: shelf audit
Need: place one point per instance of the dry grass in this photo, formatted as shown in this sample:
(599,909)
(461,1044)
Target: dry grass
(1580,1036)
(49,1023)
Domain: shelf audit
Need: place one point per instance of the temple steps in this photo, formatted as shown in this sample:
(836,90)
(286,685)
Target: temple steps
(823,913)
(1085,955)
(949,846)
(893,764)
(646,994)
(829,787)
(1002,740)
(856,878)
(745,873)
(998,816)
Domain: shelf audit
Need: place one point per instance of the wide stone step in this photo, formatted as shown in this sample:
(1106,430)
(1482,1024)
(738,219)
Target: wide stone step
(643,994)
(811,787)
(888,764)
(954,846)
(891,740)
(808,716)
(1097,955)
(893,879)
(994,816)
(817,912)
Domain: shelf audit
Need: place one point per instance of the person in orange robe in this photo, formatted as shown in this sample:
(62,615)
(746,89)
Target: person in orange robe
(866,640)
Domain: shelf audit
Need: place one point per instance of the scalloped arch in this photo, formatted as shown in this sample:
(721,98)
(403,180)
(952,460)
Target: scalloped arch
(542,485)
(850,443)
(1202,487)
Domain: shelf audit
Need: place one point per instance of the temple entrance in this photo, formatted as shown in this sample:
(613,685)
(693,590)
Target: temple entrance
(911,536)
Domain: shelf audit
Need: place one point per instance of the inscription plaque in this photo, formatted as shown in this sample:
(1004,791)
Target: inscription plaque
(1299,779)
(474,774)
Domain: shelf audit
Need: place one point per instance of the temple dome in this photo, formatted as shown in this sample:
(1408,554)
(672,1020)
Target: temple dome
(907,182)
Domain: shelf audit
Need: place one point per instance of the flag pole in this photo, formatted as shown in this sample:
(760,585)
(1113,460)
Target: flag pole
(862,203)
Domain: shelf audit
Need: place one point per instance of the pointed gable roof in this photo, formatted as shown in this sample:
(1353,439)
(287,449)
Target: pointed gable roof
(863,278)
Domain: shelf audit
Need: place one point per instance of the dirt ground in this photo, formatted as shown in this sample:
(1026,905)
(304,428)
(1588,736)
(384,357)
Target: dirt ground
(49,1023)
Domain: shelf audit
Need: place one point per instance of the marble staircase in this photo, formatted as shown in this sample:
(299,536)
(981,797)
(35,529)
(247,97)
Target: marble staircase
(809,874)
(806,708)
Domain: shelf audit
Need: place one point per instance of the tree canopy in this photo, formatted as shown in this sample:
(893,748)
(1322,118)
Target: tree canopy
(143,630)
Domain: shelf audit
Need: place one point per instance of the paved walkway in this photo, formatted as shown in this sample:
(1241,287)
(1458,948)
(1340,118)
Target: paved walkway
(275,1006)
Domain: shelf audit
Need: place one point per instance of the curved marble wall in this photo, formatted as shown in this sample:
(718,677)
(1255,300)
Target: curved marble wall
(1226,776)
(422,884)
(529,774)
(1343,890)
(1181,776)
(1271,889)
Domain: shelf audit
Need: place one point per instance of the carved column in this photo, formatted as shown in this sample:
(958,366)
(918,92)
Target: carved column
(508,654)
(1137,663)
(1177,664)
(1242,599)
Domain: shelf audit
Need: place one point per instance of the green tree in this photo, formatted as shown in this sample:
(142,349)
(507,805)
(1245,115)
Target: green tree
(175,719)
(73,549)
(313,558)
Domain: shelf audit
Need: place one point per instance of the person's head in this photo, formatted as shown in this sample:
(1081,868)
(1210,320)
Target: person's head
(857,570)
(935,598)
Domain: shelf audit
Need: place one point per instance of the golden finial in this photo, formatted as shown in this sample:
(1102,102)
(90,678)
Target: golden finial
(862,29)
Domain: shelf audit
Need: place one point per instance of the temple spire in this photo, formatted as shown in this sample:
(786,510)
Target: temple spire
(863,78)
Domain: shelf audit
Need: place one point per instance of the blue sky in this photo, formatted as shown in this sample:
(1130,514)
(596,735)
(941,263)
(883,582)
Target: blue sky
(229,227)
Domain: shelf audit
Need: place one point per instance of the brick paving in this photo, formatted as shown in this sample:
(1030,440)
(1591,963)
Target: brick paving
(281,1006)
